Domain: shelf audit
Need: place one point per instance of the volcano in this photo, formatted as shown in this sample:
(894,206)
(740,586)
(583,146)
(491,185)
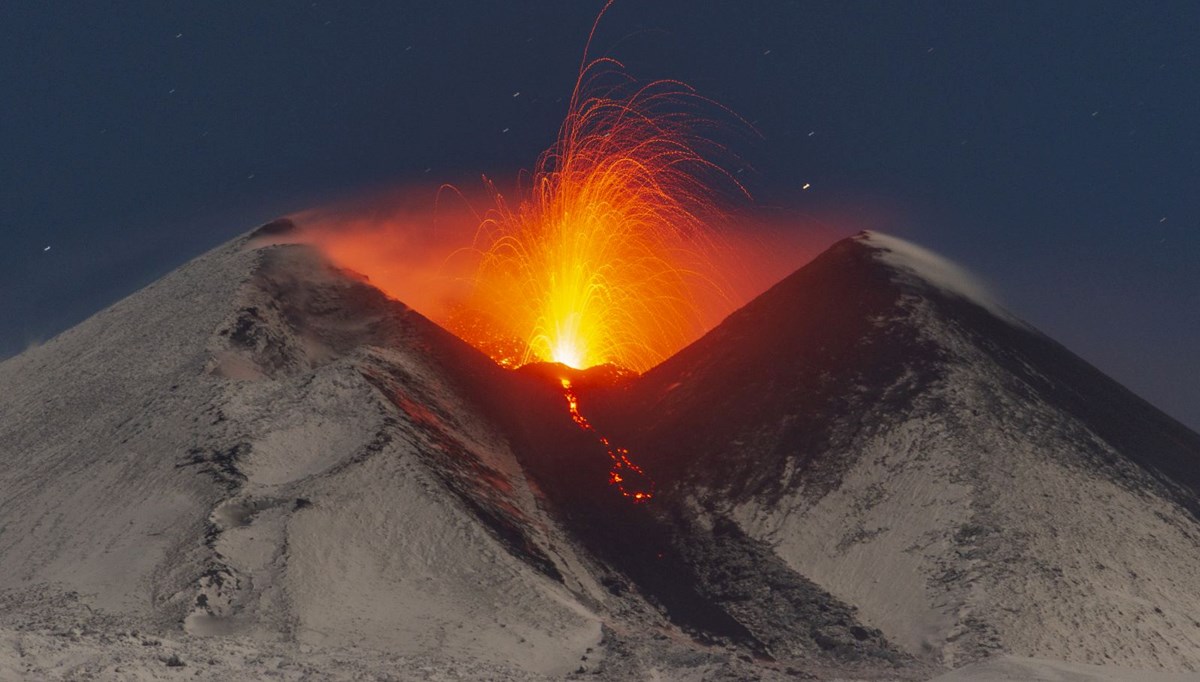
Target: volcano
(263,466)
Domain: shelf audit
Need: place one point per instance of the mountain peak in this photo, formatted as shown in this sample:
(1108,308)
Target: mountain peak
(895,436)
(916,265)
(866,469)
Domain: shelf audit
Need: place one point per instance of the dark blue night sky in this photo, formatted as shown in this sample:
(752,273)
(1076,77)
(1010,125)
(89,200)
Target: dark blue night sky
(1051,147)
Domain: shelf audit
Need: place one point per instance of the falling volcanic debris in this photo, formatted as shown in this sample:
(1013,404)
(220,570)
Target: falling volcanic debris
(606,257)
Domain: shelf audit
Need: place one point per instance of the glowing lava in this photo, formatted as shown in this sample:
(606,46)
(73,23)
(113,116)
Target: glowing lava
(627,477)
(606,257)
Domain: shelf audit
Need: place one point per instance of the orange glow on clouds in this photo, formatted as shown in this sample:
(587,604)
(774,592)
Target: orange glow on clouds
(404,242)
(410,245)
(611,255)
(604,258)
(617,250)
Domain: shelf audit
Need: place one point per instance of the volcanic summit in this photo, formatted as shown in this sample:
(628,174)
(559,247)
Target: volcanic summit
(262,465)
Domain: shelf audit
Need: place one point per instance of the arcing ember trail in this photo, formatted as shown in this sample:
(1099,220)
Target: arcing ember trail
(607,256)
(605,259)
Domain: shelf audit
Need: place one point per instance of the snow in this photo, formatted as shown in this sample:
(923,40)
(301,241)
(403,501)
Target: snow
(982,523)
(259,466)
(925,267)
(971,487)
(182,481)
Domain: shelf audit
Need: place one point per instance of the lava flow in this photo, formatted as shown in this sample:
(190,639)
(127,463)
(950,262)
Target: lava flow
(608,256)
(627,477)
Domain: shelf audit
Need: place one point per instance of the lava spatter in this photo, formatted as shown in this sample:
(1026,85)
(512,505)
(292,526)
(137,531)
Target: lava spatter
(609,251)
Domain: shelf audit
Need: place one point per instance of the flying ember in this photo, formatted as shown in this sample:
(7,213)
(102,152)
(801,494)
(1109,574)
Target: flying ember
(605,257)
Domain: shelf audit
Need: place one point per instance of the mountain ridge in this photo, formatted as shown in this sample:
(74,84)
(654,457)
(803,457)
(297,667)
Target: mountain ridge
(869,419)
(861,473)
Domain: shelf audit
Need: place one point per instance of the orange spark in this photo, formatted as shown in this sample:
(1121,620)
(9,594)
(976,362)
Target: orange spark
(605,258)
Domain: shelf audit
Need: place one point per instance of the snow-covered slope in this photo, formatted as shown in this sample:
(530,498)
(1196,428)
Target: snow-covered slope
(259,445)
(971,486)
(261,466)
(262,458)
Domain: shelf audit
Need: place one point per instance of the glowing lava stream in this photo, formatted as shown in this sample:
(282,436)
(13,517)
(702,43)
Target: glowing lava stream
(607,255)
(641,488)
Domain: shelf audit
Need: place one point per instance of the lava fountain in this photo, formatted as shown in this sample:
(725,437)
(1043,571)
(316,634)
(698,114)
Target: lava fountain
(608,256)
(604,259)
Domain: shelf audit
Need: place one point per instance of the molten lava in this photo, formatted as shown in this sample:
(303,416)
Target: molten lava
(606,257)
(627,477)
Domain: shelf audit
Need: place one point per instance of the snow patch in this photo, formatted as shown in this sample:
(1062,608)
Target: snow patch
(934,270)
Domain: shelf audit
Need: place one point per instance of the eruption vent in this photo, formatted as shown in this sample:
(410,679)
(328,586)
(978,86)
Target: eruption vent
(606,257)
